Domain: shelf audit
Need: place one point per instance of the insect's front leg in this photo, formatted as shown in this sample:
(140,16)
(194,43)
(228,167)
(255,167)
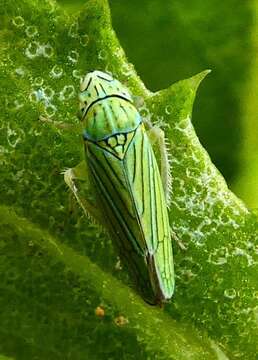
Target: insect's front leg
(156,135)
(78,182)
(59,124)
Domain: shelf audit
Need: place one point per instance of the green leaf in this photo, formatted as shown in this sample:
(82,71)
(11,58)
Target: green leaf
(65,304)
(53,281)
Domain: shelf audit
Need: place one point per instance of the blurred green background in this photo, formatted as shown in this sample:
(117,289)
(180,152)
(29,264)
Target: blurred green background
(174,39)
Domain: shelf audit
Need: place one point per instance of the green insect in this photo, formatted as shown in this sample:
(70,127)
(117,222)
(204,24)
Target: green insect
(123,187)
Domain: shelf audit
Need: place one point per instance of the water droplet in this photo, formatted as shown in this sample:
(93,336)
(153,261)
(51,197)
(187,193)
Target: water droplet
(35,49)
(20,71)
(73,31)
(73,56)
(77,74)
(230,293)
(186,275)
(239,252)
(218,256)
(31,31)
(183,124)
(32,50)
(84,40)
(33,96)
(144,111)
(14,136)
(50,110)
(18,104)
(47,50)
(38,81)
(102,55)
(121,320)
(48,92)
(118,52)
(37,95)
(67,92)
(168,109)
(18,21)
(250,245)
(128,69)
(56,71)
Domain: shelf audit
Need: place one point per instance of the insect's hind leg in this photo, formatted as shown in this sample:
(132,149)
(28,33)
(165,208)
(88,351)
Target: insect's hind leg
(78,182)
(157,136)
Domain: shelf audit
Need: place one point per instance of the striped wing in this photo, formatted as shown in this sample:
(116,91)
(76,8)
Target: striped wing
(133,202)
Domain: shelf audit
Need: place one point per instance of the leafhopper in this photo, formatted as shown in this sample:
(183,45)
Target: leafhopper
(124,187)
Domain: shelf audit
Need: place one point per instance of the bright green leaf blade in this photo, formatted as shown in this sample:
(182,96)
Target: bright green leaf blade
(42,57)
(52,292)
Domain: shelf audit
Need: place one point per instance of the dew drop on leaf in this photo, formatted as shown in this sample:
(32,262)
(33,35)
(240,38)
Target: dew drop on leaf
(48,92)
(32,50)
(50,110)
(73,56)
(230,293)
(102,55)
(14,136)
(121,320)
(47,50)
(18,21)
(56,72)
(77,74)
(73,31)
(84,40)
(67,92)
(20,71)
(38,81)
(168,109)
(31,31)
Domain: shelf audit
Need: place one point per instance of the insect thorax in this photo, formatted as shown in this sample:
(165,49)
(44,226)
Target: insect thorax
(111,123)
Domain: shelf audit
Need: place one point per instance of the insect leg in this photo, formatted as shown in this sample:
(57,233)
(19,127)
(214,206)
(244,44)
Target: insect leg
(156,135)
(179,242)
(78,182)
(58,124)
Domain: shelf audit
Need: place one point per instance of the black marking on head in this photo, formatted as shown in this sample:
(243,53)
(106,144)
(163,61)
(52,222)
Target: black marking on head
(112,110)
(106,119)
(88,84)
(103,89)
(100,77)
(96,90)
(124,110)
(106,97)
(94,117)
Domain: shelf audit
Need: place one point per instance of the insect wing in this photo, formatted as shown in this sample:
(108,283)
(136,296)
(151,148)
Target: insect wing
(132,199)
(148,195)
